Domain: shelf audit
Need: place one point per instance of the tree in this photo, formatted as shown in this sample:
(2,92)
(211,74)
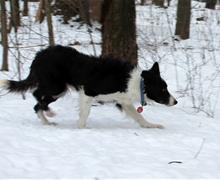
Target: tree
(83,6)
(210,4)
(119,30)
(49,23)
(143,2)
(15,14)
(158,3)
(183,19)
(95,9)
(25,8)
(4,36)
(40,15)
(44,8)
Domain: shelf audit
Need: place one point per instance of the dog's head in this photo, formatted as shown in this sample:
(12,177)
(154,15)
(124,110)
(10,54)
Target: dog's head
(156,87)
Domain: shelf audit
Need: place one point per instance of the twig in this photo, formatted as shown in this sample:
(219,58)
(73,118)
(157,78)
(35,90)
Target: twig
(200,148)
(40,45)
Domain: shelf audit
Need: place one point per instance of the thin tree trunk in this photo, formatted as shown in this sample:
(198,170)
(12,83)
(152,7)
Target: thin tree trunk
(15,14)
(85,16)
(4,35)
(159,3)
(18,58)
(84,11)
(25,8)
(210,4)
(49,23)
(143,2)
(119,30)
(183,19)
(40,12)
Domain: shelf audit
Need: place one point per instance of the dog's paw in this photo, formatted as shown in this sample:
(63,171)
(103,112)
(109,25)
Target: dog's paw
(149,125)
(50,113)
(81,125)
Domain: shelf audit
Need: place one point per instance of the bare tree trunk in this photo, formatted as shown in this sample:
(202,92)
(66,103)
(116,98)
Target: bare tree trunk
(95,7)
(119,30)
(4,35)
(84,11)
(40,12)
(85,16)
(17,56)
(143,2)
(183,19)
(49,23)
(15,14)
(25,8)
(158,3)
(210,4)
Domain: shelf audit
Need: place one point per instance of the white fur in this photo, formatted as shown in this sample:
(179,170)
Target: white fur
(125,99)
(132,93)
(4,83)
(171,101)
(50,113)
(131,111)
(85,103)
(44,120)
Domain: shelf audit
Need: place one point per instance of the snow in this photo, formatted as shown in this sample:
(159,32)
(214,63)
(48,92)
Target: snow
(113,146)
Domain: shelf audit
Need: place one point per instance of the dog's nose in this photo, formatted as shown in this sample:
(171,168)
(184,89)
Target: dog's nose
(175,102)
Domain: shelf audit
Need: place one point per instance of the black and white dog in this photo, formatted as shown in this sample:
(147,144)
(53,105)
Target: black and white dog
(103,79)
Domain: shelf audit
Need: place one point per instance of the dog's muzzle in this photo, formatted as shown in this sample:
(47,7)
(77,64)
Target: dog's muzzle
(172,101)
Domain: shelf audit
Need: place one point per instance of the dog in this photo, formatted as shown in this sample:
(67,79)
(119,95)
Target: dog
(104,79)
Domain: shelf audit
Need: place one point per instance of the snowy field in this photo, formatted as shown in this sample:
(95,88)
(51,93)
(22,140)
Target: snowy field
(114,146)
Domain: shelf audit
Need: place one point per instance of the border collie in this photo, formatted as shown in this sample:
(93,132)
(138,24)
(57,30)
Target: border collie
(103,79)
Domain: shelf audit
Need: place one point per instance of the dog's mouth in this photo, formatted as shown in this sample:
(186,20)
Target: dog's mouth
(172,101)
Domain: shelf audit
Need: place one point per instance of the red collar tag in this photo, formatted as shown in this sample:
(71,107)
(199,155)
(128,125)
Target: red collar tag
(140,109)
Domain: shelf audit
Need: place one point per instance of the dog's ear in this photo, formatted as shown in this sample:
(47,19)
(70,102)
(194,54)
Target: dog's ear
(155,68)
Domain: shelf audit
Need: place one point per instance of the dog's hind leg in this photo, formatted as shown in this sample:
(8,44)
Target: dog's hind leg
(40,113)
(42,106)
(44,120)
(131,111)
(45,102)
(85,103)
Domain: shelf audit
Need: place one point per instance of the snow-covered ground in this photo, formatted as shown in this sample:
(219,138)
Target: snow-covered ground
(114,146)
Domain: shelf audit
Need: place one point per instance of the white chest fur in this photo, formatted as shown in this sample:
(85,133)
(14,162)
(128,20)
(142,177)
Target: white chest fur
(132,93)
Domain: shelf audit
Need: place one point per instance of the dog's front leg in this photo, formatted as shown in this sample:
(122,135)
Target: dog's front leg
(131,111)
(85,103)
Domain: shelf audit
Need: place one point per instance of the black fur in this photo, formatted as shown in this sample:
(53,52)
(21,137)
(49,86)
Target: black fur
(155,86)
(24,85)
(119,106)
(56,67)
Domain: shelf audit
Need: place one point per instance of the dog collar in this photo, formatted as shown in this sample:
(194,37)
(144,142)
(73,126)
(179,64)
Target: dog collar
(143,102)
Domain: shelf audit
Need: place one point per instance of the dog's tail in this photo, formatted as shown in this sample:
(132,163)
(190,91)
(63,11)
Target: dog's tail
(19,86)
